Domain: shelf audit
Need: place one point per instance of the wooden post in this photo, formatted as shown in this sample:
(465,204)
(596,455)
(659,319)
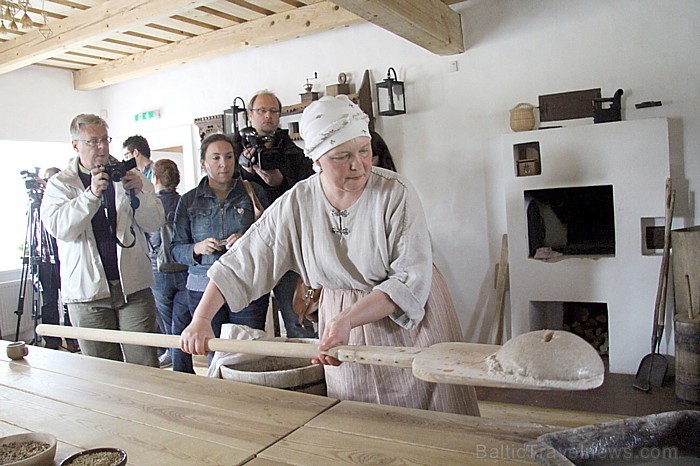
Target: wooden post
(496,334)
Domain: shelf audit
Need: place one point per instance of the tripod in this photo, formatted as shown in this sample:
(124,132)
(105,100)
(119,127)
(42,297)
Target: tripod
(31,257)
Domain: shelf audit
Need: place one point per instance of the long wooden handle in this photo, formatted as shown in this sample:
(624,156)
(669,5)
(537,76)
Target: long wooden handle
(263,347)
(457,363)
(665,259)
(660,303)
(376,355)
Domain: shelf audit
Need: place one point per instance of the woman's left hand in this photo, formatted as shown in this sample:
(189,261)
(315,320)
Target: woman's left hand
(335,333)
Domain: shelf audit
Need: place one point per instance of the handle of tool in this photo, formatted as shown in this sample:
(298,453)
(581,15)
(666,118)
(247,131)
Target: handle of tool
(376,355)
(262,347)
(665,260)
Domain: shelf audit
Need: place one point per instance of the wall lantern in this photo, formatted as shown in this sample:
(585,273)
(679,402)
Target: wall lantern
(390,95)
(232,117)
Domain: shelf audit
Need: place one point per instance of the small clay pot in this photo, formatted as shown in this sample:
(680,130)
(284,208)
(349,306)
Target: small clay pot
(17,350)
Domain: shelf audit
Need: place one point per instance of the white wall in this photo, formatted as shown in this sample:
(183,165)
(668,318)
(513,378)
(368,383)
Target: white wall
(449,143)
(38,104)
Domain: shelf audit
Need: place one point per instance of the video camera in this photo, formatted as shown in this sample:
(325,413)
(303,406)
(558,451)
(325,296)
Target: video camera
(268,158)
(116,170)
(33,182)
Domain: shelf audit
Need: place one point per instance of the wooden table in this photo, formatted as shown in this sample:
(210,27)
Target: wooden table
(162,417)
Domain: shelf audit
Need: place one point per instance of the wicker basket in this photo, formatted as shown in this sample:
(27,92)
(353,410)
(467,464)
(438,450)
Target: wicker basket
(522,117)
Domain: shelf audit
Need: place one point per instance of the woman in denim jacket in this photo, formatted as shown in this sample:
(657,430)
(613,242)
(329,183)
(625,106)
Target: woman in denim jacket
(208,220)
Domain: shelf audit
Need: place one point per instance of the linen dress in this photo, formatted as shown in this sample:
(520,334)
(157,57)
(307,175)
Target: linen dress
(381,242)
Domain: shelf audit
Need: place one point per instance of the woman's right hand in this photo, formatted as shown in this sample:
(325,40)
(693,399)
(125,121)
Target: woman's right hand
(208,247)
(335,333)
(193,339)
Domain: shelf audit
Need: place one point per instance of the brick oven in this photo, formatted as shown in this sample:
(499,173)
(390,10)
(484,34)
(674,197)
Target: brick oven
(581,204)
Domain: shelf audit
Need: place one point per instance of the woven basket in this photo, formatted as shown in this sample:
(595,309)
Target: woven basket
(522,117)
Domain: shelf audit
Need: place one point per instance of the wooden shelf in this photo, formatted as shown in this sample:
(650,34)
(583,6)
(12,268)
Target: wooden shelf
(294,108)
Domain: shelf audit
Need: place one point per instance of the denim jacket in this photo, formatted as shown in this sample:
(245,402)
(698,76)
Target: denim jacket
(199,215)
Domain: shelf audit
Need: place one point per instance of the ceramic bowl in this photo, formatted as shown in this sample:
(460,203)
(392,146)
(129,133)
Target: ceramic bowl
(43,458)
(76,458)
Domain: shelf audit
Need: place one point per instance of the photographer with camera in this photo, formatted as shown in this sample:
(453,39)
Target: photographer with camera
(99,210)
(269,157)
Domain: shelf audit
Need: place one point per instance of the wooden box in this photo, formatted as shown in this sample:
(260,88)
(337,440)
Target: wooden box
(309,96)
(337,89)
(568,105)
(528,167)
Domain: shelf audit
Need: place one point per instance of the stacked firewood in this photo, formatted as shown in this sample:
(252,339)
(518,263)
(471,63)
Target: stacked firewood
(590,322)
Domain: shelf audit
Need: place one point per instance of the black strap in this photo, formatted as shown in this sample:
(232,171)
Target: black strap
(134,205)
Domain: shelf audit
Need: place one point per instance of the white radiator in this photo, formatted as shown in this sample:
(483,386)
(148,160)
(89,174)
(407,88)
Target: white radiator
(9,294)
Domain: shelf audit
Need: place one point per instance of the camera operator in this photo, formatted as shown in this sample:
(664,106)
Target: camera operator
(264,111)
(96,221)
(49,277)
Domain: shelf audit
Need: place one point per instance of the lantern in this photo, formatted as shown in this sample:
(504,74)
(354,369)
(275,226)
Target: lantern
(390,95)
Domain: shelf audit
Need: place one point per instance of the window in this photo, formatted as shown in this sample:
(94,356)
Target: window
(18,156)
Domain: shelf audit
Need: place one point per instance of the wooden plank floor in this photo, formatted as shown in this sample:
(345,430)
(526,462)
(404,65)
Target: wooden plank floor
(616,396)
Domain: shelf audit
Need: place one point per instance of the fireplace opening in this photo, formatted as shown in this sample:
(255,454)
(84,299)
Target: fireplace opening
(589,320)
(570,221)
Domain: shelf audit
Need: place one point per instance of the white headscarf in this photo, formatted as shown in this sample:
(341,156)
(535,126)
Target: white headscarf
(329,122)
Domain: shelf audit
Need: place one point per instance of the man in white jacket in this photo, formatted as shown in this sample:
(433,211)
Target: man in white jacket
(99,216)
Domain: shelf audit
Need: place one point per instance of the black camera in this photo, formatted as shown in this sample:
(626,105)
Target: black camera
(34,184)
(268,158)
(116,170)
(32,181)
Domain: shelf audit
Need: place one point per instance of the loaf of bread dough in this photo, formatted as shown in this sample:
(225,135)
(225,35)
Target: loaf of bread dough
(549,358)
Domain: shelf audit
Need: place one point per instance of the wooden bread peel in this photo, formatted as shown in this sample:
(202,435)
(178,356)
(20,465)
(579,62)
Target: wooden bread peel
(456,363)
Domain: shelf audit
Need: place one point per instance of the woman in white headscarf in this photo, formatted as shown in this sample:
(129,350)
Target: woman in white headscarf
(360,233)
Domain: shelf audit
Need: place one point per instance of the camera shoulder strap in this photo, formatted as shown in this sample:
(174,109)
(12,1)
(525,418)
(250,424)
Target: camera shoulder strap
(254,198)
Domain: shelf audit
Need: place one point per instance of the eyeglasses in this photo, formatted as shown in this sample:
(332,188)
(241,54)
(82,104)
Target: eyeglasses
(263,111)
(94,142)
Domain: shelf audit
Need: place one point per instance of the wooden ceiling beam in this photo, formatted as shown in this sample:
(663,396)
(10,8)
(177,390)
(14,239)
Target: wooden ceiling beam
(87,26)
(430,24)
(303,21)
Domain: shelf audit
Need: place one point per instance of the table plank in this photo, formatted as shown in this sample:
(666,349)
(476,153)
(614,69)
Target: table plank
(264,462)
(84,428)
(157,416)
(422,427)
(549,416)
(284,407)
(196,420)
(448,431)
(310,447)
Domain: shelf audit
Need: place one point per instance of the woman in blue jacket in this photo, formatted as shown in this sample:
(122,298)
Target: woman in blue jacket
(208,220)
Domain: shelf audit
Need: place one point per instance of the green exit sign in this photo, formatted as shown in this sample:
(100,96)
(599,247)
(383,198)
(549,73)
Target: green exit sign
(149,115)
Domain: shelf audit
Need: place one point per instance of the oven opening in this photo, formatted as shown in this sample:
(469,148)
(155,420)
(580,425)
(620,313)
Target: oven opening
(570,221)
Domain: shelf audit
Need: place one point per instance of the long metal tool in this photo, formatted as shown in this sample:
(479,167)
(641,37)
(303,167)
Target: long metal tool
(653,367)
(456,363)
